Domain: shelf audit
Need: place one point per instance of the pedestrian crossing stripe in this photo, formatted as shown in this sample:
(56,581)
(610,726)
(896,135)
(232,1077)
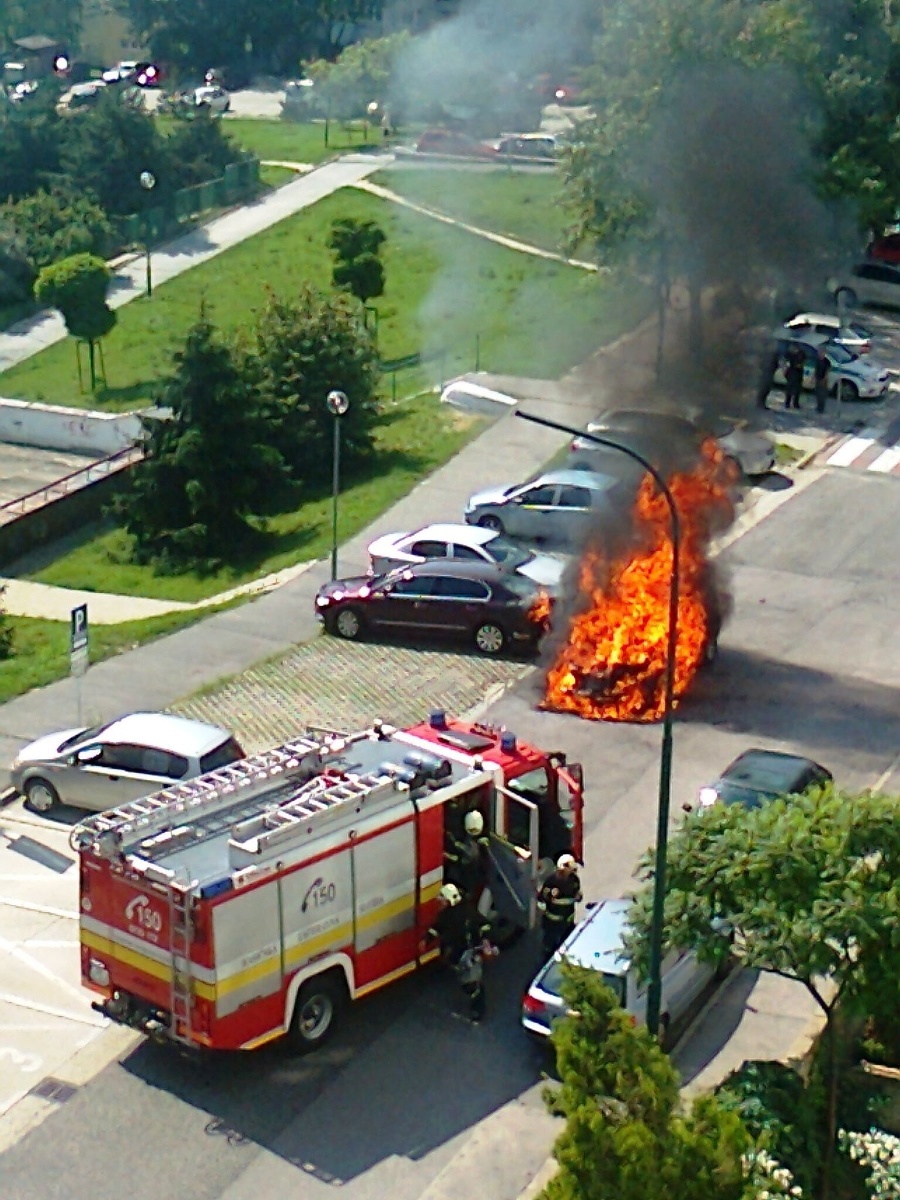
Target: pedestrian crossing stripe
(870,450)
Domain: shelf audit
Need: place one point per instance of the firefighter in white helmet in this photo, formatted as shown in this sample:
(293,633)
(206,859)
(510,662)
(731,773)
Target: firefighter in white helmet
(462,947)
(557,897)
(466,857)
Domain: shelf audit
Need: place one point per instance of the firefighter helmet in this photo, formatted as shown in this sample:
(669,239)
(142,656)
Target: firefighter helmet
(450,894)
(474,823)
(564,861)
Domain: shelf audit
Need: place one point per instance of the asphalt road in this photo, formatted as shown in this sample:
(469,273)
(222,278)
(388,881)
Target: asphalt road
(407,1101)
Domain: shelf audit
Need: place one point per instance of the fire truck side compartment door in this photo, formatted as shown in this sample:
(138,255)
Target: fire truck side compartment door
(384,888)
(514,857)
(571,776)
(247,940)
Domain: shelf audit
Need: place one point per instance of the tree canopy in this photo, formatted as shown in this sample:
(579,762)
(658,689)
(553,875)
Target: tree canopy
(77,286)
(209,467)
(808,887)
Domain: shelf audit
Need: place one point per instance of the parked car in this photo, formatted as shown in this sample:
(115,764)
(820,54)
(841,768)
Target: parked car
(760,775)
(213,97)
(885,249)
(861,377)
(598,943)
(561,506)
(853,337)
(107,765)
(470,601)
(121,72)
(468,543)
(543,146)
(452,141)
(668,440)
(874,283)
(81,95)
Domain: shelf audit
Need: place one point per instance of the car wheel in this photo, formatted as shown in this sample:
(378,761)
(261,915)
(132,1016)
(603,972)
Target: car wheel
(489,638)
(347,623)
(316,1012)
(848,390)
(847,296)
(41,795)
(491,522)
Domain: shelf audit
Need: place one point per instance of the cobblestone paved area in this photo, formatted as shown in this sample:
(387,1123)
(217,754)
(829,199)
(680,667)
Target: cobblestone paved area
(331,684)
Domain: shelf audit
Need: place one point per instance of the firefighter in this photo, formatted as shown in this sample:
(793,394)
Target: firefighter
(465,857)
(558,895)
(453,926)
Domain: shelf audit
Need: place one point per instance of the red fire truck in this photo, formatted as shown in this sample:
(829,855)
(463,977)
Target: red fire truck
(255,901)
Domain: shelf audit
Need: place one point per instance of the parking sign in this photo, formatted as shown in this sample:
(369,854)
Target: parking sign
(78,639)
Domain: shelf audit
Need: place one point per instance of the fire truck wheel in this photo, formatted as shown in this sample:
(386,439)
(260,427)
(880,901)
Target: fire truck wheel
(41,795)
(489,638)
(347,623)
(315,1012)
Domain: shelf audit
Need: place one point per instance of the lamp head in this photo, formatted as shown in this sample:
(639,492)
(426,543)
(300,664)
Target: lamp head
(338,403)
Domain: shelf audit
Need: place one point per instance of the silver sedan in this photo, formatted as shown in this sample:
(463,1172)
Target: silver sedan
(560,507)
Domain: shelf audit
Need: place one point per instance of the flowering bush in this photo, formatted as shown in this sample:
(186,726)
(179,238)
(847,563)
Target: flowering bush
(768,1179)
(878,1153)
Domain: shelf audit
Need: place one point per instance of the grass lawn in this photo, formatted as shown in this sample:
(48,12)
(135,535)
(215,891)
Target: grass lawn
(445,289)
(523,205)
(41,648)
(417,435)
(287,141)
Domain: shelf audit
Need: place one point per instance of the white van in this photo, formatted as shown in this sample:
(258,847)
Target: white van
(597,943)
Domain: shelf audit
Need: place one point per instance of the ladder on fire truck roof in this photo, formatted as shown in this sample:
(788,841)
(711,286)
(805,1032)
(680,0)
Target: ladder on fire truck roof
(187,801)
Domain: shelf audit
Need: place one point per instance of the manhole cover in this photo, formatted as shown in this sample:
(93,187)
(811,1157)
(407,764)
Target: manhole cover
(54,1089)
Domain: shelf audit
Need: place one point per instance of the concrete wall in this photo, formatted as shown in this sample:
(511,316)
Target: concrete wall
(72,429)
(59,517)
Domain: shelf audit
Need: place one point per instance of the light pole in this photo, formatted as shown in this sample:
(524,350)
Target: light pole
(654,988)
(338,404)
(148,183)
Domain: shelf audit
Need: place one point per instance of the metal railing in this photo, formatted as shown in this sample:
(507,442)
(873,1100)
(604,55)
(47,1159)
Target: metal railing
(99,469)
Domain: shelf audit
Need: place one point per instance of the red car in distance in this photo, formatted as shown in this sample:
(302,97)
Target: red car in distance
(885,249)
(452,141)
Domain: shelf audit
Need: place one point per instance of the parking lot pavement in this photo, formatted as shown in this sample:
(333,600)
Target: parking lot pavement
(45,1014)
(340,685)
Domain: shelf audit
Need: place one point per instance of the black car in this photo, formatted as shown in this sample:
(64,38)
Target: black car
(475,602)
(760,775)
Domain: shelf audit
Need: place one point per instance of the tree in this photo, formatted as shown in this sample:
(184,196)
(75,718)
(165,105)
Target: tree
(31,135)
(358,268)
(52,225)
(209,468)
(77,287)
(198,150)
(627,1134)
(807,888)
(361,75)
(303,350)
(7,635)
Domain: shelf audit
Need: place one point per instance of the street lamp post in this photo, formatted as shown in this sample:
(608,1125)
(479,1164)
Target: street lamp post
(654,988)
(338,404)
(148,183)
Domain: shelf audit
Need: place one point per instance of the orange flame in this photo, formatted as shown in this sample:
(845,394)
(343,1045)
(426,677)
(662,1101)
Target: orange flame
(540,609)
(612,664)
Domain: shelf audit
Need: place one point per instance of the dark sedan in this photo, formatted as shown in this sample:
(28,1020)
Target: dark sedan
(491,608)
(760,775)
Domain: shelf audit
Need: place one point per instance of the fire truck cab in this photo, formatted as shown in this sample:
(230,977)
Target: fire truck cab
(255,901)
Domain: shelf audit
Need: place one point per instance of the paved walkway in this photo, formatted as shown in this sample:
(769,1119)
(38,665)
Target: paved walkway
(44,329)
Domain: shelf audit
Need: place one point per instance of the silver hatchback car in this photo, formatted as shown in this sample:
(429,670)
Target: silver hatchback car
(561,507)
(597,942)
(108,765)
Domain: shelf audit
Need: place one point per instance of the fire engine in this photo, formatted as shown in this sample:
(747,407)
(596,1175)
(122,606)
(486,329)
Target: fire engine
(253,902)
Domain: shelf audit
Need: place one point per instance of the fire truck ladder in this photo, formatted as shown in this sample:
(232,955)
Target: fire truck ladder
(182,989)
(185,802)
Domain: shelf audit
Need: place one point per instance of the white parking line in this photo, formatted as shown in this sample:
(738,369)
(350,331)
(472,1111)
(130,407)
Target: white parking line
(68,914)
(882,779)
(82,1018)
(13,951)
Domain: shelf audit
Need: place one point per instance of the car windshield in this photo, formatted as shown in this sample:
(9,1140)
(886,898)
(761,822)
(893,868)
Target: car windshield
(552,981)
(522,586)
(749,797)
(840,354)
(502,550)
(84,735)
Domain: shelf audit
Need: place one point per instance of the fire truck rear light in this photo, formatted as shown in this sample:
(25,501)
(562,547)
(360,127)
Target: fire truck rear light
(209,890)
(508,743)
(97,973)
(437,719)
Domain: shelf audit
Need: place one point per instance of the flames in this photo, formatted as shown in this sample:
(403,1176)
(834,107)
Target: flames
(540,609)
(612,663)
